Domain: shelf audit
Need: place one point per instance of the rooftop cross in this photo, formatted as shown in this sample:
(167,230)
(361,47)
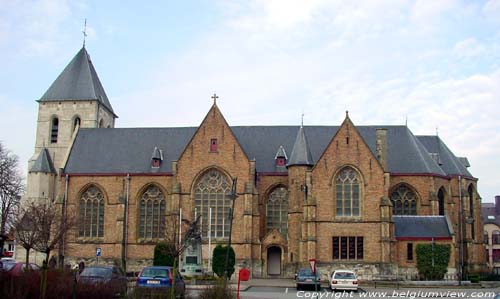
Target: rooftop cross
(84,32)
(215,97)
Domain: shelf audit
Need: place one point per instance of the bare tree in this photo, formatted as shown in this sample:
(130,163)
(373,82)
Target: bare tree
(51,226)
(25,230)
(11,189)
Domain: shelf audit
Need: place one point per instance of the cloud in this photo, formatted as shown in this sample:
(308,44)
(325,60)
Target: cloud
(469,47)
(491,10)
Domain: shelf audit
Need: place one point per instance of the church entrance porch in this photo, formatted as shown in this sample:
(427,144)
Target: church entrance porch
(273,261)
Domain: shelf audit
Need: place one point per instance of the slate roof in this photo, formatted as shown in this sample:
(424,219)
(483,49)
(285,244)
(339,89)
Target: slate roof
(301,155)
(43,163)
(451,165)
(421,227)
(489,209)
(128,150)
(78,81)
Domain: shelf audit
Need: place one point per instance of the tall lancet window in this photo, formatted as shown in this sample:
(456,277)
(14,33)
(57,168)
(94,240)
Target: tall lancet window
(347,192)
(152,215)
(54,131)
(404,201)
(212,192)
(91,216)
(277,210)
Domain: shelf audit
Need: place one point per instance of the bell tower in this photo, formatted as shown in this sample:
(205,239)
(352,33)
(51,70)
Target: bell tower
(75,100)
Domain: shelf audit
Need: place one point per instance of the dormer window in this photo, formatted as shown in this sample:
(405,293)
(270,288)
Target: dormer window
(280,157)
(155,163)
(156,158)
(213,145)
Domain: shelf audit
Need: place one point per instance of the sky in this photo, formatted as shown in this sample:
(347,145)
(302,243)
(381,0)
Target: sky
(432,64)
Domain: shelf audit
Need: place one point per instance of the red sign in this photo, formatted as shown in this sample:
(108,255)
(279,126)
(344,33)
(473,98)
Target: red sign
(312,263)
(244,274)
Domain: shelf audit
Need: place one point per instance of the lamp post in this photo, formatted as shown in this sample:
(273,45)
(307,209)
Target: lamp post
(232,196)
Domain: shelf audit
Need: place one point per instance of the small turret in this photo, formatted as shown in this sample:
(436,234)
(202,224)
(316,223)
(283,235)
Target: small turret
(301,155)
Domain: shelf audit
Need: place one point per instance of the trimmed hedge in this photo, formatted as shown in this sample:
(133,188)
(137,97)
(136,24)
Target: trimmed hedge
(426,254)
(219,260)
(164,254)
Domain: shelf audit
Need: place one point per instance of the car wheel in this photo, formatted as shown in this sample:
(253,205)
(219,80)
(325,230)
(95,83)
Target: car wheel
(298,287)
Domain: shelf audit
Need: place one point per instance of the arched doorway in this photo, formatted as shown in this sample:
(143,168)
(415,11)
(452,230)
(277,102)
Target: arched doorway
(274,260)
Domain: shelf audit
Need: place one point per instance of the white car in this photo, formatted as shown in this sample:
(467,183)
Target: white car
(343,280)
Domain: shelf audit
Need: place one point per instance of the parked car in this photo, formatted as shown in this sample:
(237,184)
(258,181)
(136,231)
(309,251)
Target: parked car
(16,268)
(109,278)
(305,278)
(160,277)
(344,280)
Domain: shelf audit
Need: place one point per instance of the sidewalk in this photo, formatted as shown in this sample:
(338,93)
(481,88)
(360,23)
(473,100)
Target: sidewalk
(290,283)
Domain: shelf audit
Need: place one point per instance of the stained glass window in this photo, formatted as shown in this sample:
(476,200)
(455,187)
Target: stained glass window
(277,211)
(212,192)
(404,201)
(347,193)
(152,208)
(91,217)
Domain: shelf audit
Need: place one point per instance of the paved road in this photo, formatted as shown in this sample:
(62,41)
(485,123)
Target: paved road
(278,293)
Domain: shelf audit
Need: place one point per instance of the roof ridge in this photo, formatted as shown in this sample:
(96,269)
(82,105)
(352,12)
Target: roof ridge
(87,62)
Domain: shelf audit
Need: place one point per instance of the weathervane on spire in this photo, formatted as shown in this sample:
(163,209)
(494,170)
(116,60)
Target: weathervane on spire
(84,32)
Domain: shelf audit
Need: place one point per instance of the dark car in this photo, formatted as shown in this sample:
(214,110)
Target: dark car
(110,279)
(16,269)
(160,278)
(305,278)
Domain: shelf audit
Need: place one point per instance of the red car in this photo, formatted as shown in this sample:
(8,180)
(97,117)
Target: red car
(16,268)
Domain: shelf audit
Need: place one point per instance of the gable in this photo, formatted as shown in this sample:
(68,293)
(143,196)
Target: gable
(213,128)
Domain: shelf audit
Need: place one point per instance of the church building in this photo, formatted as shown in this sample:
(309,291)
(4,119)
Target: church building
(349,196)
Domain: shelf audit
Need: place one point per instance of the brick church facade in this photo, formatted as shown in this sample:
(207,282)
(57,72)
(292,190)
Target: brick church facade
(358,197)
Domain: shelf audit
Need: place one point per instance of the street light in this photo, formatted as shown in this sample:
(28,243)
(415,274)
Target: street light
(233,197)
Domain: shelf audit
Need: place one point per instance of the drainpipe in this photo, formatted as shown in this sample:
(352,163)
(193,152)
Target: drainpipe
(65,205)
(125,224)
(460,229)
(65,215)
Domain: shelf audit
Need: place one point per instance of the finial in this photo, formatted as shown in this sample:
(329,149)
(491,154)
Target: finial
(437,131)
(302,122)
(215,97)
(406,121)
(347,113)
(84,32)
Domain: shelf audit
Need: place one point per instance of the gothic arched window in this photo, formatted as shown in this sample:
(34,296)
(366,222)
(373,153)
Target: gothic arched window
(54,130)
(91,222)
(441,202)
(404,201)
(347,193)
(471,210)
(76,123)
(212,192)
(152,207)
(277,210)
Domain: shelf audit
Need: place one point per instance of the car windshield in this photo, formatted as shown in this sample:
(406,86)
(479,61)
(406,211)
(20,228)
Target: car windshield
(96,272)
(7,266)
(344,275)
(305,272)
(155,272)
